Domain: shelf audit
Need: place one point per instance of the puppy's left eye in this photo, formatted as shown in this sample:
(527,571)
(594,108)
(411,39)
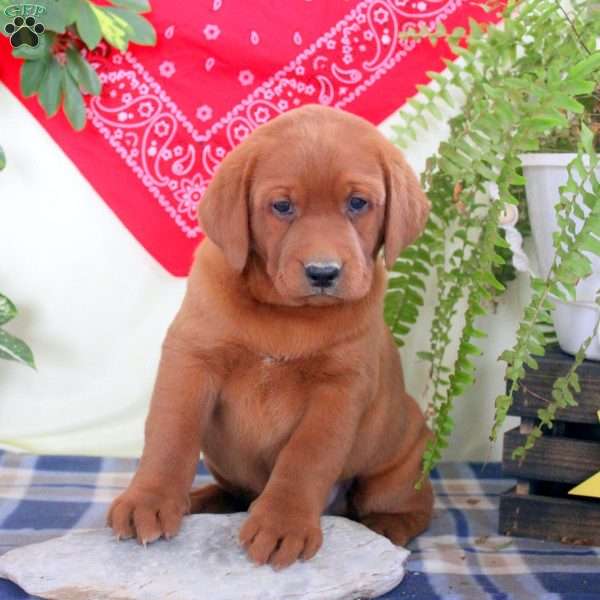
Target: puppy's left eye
(283,207)
(357,205)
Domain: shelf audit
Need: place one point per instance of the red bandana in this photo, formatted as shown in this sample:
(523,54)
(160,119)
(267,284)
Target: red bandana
(169,114)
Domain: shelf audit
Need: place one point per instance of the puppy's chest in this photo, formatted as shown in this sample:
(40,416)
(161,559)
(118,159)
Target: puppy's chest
(263,398)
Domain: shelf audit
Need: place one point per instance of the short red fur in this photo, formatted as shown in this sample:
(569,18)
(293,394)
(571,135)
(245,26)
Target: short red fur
(289,386)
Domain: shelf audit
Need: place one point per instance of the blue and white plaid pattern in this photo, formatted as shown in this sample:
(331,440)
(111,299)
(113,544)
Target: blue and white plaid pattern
(460,557)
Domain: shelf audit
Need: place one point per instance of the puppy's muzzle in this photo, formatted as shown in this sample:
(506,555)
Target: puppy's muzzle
(322,274)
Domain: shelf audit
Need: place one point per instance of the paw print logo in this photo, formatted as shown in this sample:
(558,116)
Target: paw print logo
(24,32)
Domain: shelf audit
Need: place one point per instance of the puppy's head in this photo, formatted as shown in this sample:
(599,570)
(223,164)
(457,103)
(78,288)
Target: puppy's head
(311,197)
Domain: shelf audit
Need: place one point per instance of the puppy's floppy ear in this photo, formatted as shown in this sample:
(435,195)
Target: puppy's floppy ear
(223,210)
(407,206)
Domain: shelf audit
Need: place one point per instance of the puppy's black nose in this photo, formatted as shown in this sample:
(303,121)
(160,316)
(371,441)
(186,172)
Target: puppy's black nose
(322,275)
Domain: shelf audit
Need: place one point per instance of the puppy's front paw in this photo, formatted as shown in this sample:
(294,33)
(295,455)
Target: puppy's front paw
(272,534)
(147,514)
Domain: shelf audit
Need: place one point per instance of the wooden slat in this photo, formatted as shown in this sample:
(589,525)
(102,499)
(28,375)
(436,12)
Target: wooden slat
(536,388)
(559,519)
(558,361)
(526,404)
(552,458)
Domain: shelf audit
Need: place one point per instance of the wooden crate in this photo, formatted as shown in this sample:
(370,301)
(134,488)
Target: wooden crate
(539,506)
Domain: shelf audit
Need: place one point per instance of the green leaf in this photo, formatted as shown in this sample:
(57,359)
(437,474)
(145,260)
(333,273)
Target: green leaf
(575,265)
(469,348)
(60,15)
(8,310)
(462,377)
(82,72)
(142,32)
(50,88)
(88,25)
(70,9)
(531,362)
(119,26)
(568,103)
(586,66)
(518,453)
(591,244)
(488,278)
(74,106)
(139,6)
(2,159)
(32,73)
(587,139)
(541,123)
(12,348)
(578,87)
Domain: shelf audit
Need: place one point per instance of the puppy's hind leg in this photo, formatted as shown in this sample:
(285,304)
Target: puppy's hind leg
(212,498)
(387,502)
(220,497)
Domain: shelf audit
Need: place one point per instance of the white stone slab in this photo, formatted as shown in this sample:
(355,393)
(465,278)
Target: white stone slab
(204,561)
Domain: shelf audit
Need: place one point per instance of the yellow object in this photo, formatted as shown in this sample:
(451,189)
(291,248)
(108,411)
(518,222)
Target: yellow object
(591,486)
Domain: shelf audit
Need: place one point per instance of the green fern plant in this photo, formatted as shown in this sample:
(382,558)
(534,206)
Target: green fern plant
(514,85)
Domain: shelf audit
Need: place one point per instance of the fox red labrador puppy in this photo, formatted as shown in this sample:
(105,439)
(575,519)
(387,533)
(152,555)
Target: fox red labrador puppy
(279,366)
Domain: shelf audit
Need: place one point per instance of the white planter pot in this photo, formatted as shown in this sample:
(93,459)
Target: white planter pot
(573,321)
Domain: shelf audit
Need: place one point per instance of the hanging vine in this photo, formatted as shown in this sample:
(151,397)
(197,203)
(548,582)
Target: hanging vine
(516,84)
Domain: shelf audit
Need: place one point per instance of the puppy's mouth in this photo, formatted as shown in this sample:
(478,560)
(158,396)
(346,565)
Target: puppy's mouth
(322,296)
(322,291)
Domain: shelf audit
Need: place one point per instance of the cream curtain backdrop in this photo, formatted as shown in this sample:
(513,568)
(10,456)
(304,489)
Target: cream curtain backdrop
(94,306)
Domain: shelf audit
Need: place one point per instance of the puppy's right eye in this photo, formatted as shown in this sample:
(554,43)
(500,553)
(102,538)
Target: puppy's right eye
(283,208)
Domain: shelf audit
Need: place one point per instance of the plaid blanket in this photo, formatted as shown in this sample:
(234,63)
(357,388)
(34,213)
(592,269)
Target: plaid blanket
(460,557)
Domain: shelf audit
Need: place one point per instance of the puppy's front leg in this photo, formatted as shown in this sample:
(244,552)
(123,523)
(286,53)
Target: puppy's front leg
(284,521)
(157,497)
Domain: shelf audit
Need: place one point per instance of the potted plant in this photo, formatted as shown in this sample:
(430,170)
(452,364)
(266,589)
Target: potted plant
(514,84)
(546,172)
